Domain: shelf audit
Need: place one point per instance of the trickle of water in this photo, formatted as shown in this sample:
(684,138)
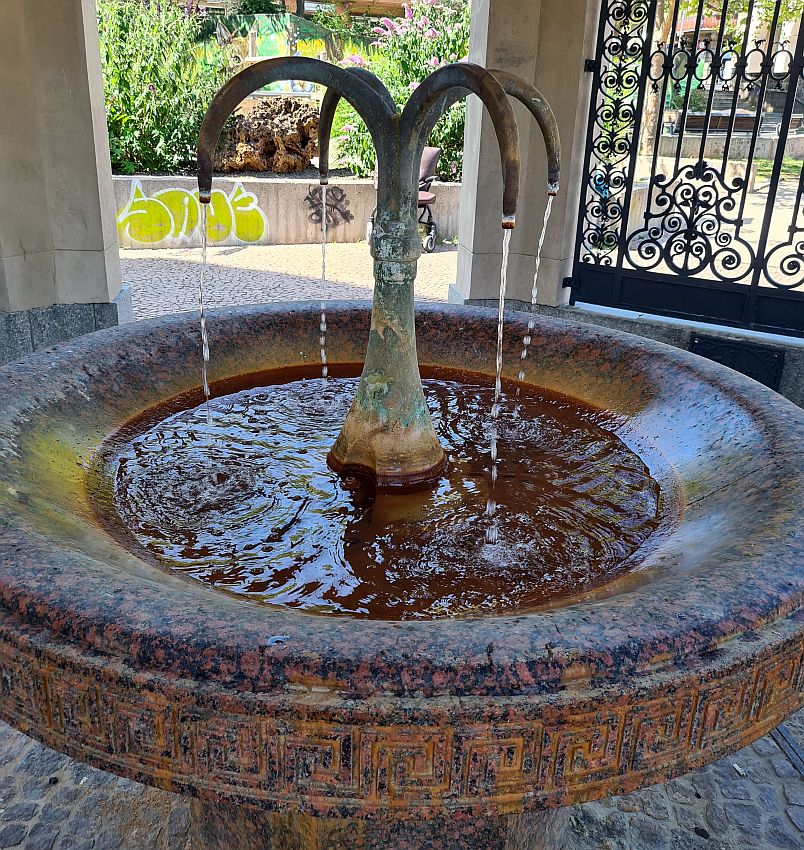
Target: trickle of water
(534,291)
(204,335)
(492,532)
(323,326)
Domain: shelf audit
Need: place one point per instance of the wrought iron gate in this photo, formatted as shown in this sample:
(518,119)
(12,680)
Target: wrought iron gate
(693,196)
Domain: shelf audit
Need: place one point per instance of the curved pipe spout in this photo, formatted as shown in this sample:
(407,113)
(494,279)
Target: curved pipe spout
(541,110)
(435,91)
(326,115)
(531,98)
(370,105)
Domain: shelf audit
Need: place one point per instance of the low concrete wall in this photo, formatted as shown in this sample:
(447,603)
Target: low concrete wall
(738,149)
(163,212)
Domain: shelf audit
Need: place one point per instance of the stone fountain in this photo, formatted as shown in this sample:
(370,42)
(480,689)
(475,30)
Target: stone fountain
(296,728)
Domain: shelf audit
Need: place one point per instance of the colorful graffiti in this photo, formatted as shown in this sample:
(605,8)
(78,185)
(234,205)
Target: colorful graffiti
(174,216)
(255,37)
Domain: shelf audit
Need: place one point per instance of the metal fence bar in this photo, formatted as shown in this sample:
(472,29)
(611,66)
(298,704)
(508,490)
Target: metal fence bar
(690,253)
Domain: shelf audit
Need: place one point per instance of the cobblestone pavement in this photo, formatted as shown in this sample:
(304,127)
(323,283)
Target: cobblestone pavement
(753,800)
(166,280)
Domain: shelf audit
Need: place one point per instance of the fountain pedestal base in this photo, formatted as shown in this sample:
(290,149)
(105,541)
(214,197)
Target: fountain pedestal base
(222,826)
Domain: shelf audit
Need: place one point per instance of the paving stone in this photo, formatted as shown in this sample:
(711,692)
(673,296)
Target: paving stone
(12,835)
(746,818)
(78,826)
(680,791)
(108,840)
(796,814)
(178,825)
(783,768)
(765,747)
(41,837)
(716,818)
(52,813)
(654,804)
(689,817)
(20,811)
(794,792)
(648,834)
(629,803)
(41,762)
(768,797)
(782,835)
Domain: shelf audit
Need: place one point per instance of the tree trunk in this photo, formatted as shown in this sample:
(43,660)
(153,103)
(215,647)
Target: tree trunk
(652,105)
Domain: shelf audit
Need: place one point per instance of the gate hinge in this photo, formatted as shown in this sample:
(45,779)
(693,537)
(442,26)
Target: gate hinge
(591,65)
(569,282)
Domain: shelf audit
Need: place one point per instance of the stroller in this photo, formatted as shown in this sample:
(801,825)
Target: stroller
(427,226)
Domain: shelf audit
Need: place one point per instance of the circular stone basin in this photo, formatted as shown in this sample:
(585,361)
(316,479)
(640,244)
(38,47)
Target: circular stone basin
(687,648)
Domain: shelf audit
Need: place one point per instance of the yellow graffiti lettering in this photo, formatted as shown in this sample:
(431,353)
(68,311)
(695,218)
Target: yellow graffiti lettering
(174,215)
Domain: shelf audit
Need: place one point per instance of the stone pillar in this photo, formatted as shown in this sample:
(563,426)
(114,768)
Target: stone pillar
(545,42)
(59,267)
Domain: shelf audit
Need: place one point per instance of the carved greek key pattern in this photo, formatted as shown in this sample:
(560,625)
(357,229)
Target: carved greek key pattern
(144,732)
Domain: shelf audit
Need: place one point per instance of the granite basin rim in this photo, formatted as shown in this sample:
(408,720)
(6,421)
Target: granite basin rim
(696,654)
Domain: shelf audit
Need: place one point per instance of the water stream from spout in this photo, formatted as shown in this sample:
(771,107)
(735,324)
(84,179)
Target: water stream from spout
(202,315)
(323,326)
(534,291)
(492,531)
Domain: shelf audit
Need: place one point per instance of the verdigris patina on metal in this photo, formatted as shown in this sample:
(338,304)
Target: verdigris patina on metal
(388,434)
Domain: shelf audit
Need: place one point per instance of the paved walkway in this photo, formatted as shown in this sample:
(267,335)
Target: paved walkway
(166,281)
(753,800)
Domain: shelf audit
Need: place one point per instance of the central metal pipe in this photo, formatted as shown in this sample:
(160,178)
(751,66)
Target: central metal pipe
(388,434)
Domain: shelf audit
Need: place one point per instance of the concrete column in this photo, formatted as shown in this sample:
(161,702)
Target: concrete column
(545,42)
(59,267)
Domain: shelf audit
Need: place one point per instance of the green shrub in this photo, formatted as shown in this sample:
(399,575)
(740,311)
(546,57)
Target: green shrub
(355,27)
(697,102)
(158,80)
(253,7)
(430,34)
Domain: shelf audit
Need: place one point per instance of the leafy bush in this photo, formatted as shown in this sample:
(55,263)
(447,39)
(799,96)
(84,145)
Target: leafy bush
(697,103)
(253,7)
(158,81)
(349,27)
(430,34)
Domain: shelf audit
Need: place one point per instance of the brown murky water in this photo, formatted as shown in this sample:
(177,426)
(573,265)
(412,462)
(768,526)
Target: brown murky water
(248,504)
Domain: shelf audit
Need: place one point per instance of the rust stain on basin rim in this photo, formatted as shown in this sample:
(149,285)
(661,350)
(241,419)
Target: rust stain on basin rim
(123,665)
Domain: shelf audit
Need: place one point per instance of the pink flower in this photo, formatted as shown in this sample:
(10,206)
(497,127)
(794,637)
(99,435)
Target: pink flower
(431,33)
(388,24)
(413,86)
(434,62)
(356,59)
(379,31)
(348,128)
(408,11)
